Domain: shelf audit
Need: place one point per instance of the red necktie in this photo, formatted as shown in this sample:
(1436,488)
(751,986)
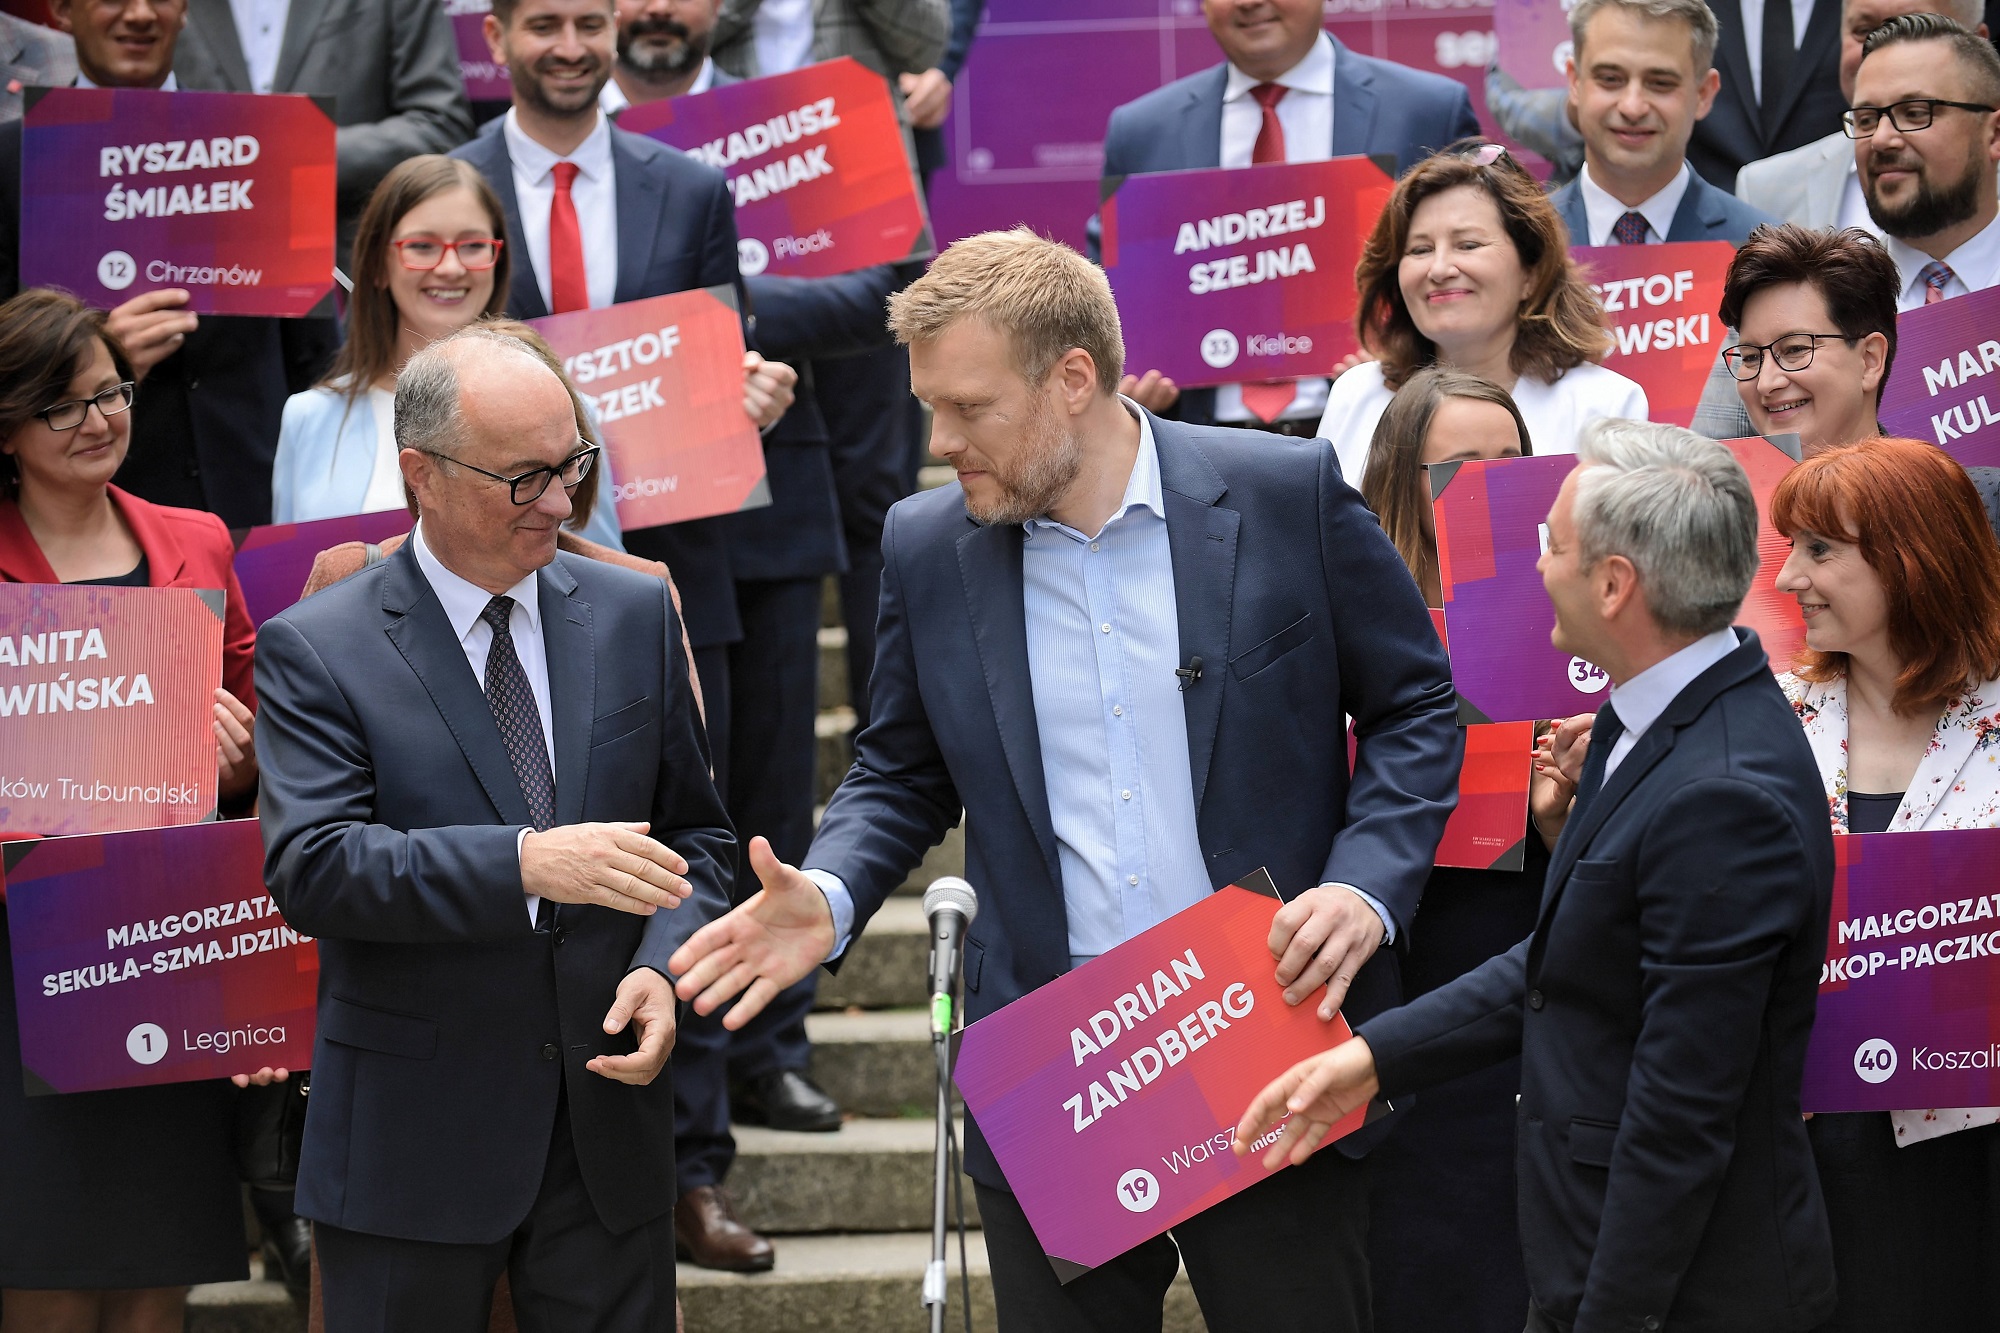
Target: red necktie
(569,288)
(1267,398)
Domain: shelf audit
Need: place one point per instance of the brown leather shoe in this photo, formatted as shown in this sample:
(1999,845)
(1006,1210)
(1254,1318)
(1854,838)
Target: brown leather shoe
(708,1233)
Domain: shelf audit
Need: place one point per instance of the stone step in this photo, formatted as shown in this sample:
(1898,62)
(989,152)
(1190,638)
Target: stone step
(833,667)
(834,731)
(877,1063)
(255,1306)
(885,967)
(871,1175)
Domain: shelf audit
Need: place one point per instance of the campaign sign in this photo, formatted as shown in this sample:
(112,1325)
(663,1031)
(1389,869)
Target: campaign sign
(1533,41)
(274,561)
(484,80)
(1110,1096)
(1490,531)
(105,699)
(1937,390)
(1660,302)
(1229,276)
(154,956)
(665,377)
(1909,997)
(816,163)
(227,195)
(1488,828)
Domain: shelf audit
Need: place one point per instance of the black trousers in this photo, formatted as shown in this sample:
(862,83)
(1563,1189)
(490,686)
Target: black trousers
(1288,1254)
(566,1270)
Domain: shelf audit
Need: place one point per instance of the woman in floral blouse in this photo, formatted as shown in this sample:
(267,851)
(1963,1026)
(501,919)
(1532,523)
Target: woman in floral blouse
(1898,689)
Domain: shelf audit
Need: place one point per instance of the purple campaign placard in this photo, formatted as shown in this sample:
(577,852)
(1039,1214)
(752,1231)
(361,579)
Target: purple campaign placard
(1532,37)
(484,80)
(273,561)
(1941,388)
(1909,998)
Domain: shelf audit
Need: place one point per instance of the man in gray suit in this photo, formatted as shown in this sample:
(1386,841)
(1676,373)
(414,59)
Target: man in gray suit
(390,66)
(31,56)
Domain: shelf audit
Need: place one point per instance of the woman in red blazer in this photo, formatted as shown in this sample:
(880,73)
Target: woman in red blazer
(111,1203)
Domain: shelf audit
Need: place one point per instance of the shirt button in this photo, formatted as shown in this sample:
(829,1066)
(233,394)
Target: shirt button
(1106,628)
(1118,710)
(1535,1000)
(1124,795)
(1093,546)
(1132,880)
(549,1051)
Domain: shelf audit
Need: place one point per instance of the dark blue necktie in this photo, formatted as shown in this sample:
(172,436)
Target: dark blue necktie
(513,705)
(1604,734)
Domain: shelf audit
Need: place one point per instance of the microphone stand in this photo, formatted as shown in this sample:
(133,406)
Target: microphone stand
(936,1282)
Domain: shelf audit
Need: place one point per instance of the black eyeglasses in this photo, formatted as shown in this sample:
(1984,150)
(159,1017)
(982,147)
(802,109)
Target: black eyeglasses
(69,415)
(528,487)
(1794,351)
(1916,113)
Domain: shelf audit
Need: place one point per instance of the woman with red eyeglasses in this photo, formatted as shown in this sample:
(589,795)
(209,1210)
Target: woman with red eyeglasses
(429,258)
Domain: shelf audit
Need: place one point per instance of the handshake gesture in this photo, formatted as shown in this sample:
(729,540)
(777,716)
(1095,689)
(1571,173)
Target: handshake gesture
(776,937)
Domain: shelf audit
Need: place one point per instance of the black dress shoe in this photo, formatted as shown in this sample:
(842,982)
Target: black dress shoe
(288,1256)
(786,1099)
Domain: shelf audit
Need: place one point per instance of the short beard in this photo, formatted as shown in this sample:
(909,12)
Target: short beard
(1049,463)
(1931,211)
(528,87)
(651,62)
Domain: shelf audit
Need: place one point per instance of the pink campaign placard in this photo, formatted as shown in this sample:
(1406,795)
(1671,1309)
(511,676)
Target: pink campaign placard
(1532,37)
(273,561)
(1110,1096)
(1942,387)
(1660,301)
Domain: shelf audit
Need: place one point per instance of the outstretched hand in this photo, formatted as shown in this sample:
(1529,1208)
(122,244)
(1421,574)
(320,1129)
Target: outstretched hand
(1316,1093)
(774,938)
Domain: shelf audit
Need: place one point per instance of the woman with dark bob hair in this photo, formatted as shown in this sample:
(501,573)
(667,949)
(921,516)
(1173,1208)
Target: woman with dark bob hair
(1815,320)
(1468,268)
(1898,689)
(111,1203)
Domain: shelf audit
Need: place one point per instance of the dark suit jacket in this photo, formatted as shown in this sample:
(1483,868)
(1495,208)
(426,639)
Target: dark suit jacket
(1732,134)
(1378,107)
(1661,1010)
(1706,214)
(390,814)
(1301,609)
(676,230)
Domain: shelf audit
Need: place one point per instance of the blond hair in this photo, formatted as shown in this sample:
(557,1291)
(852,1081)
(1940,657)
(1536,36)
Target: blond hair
(1045,296)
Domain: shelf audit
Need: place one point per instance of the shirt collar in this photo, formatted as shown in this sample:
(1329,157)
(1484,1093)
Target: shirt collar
(613,102)
(1976,263)
(463,600)
(1602,211)
(1142,489)
(592,157)
(1314,74)
(1640,700)
(172,85)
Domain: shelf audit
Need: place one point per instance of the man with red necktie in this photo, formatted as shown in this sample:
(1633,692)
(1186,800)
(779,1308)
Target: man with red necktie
(1288,92)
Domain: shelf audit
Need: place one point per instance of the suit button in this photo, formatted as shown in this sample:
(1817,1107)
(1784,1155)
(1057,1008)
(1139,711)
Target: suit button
(559,934)
(1651,1323)
(1535,1000)
(549,1051)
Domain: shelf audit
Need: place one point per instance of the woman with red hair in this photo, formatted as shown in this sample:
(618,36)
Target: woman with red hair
(1898,689)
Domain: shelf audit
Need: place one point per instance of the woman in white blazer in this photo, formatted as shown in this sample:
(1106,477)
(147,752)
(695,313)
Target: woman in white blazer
(1468,269)
(1898,690)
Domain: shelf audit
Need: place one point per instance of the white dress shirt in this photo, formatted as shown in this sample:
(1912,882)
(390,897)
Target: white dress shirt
(594,192)
(1974,266)
(463,603)
(783,34)
(1640,700)
(1601,211)
(170,86)
(612,100)
(385,479)
(1753,37)
(1854,203)
(260,27)
(1306,113)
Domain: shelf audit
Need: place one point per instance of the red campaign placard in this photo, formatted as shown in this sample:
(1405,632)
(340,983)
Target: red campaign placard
(229,196)
(1110,1096)
(1660,301)
(665,379)
(105,698)
(154,956)
(816,162)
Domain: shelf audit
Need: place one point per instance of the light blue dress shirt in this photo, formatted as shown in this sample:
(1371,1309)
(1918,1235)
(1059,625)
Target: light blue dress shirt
(1640,700)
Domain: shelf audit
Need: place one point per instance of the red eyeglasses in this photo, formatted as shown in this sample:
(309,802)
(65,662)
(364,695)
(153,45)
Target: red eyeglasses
(424,253)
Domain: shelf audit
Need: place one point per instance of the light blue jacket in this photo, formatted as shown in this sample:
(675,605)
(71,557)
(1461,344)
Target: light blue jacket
(326,454)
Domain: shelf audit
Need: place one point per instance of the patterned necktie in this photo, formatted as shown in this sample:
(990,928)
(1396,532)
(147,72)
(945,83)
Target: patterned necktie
(1935,275)
(1604,734)
(513,705)
(1630,229)
(1265,399)
(569,286)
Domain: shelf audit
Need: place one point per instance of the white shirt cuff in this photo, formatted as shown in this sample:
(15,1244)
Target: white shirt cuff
(841,902)
(1388,922)
(534,903)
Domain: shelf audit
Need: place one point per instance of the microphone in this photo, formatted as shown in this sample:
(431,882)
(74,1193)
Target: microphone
(950,904)
(1190,673)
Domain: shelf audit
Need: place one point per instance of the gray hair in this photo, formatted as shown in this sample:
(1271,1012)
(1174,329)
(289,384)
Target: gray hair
(427,407)
(1699,18)
(1680,508)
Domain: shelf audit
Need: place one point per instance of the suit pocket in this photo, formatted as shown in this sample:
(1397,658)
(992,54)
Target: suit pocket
(1594,872)
(1591,1141)
(1253,660)
(409,1035)
(617,725)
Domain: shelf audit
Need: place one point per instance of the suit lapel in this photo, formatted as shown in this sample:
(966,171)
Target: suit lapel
(1815,49)
(1732,54)
(488,152)
(642,205)
(420,631)
(217,26)
(1201,122)
(989,563)
(1698,212)
(301,24)
(566,633)
(1203,541)
(1569,203)
(1826,183)
(1353,104)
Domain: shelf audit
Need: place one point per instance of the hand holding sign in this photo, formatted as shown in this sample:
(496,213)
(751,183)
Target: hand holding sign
(152,327)
(1322,937)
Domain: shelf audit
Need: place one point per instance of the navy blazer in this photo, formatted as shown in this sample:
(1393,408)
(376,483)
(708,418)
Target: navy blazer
(390,816)
(1732,134)
(1379,107)
(1661,1011)
(1706,214)
(676,230)
(1302,611)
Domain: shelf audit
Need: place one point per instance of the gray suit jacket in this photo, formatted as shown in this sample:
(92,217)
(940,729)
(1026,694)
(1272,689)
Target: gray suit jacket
(1802,186)
(390,66)
(31,56)
(890,37)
